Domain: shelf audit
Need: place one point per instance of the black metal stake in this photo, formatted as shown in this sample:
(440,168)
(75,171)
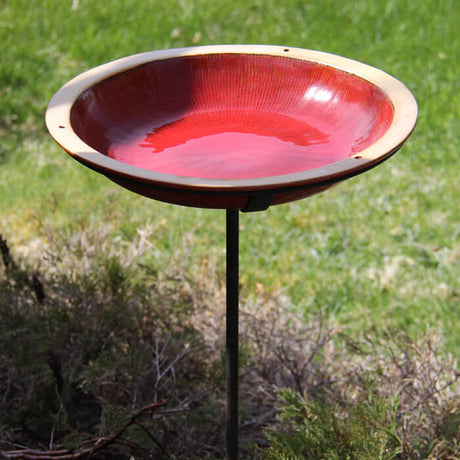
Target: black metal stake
(232,332)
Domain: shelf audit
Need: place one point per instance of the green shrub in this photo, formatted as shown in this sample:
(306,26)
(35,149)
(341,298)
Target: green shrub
(318,430)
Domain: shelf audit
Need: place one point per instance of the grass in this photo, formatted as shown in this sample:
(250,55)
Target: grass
(379,251)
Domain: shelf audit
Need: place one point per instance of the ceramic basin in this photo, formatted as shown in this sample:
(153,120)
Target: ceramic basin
(234,126)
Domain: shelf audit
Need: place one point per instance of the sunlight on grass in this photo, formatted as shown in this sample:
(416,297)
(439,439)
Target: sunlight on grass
(379,250)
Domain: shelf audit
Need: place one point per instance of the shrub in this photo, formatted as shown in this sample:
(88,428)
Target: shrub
(380,397)
(108,353)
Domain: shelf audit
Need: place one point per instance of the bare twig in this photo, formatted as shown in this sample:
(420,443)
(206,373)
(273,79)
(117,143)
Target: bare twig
(152,437)
(170,367)
(97,444)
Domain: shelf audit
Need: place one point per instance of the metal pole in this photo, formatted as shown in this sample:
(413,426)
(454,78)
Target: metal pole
(232,332)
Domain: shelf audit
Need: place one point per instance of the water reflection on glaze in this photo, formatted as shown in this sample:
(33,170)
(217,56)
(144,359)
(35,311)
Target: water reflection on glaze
(238,144)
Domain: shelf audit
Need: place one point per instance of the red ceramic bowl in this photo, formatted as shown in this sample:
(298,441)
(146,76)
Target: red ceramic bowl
(233,126)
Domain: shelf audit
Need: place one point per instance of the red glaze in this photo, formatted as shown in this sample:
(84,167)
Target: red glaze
(231,116)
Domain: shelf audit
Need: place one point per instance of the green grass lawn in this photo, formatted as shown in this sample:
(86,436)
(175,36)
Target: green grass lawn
(380,250)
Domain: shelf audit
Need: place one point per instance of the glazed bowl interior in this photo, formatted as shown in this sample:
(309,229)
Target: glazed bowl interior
(231,116)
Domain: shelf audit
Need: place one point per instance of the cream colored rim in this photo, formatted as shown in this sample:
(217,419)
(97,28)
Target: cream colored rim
(404,104)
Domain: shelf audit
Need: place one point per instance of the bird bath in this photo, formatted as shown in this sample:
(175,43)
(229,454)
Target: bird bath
(234,127)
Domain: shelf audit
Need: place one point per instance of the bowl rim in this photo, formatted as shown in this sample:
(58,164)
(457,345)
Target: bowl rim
(58,121)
